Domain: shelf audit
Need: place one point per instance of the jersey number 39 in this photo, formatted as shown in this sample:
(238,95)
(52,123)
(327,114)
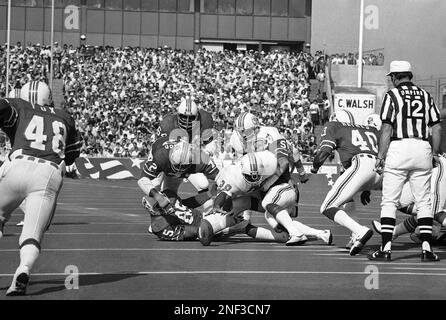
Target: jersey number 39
(35,133)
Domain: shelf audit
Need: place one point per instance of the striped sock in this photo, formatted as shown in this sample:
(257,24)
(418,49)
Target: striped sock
(387,227)
(425,226)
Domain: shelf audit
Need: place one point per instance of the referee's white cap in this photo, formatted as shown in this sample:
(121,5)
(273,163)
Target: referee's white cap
(399,66)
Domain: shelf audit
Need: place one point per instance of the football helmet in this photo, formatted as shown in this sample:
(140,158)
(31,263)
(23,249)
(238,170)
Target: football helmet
(342,115)
(187,113)
(373,120)
(251,167)
(246,123)
(181,156)
(36,92)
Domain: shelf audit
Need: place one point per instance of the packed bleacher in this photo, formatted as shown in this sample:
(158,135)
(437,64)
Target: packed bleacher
(119,95)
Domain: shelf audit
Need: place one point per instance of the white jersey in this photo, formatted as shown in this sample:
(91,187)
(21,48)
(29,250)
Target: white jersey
(230,178)
(258,142)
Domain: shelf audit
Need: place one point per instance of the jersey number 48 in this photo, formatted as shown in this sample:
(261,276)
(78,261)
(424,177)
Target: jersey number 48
(35,133)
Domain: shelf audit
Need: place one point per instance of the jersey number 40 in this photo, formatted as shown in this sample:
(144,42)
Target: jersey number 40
(369,142)
(35,134)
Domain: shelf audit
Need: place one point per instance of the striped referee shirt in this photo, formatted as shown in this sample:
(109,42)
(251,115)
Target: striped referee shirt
(410,110)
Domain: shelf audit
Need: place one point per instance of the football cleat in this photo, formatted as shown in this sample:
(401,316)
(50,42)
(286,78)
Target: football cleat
(19,285)
(351,241)
(205,232)
(295,240)
(360,242)
(427,256)
(20,224)
(326,236)
(380,255)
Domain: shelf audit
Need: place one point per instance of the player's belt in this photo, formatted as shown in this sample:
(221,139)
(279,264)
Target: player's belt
(398,139)
(38,160)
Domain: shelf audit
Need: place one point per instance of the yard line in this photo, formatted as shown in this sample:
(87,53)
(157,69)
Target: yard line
(392,263)
(422,268)
(244,272)
(90,234)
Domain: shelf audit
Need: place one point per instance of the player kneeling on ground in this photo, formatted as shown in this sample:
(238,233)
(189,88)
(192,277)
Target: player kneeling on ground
(170,164)
(243,182)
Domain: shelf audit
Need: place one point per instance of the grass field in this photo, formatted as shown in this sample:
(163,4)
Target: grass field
(100,229)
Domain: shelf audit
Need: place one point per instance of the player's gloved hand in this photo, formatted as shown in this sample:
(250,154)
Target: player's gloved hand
(379,166)
(365,197)
(313,170)
(303,177)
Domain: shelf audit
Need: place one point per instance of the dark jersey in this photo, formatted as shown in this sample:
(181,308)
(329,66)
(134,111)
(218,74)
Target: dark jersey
(176,228)
(40,131)
(160,162)
(204,122)
(349,140)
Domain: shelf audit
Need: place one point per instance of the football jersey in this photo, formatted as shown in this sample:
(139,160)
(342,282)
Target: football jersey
(159,162)
(40,131)
(349,140)
(170,122)
(267,138)
(230,178)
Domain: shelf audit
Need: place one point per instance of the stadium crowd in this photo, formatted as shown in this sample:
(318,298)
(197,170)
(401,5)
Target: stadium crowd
(119,95)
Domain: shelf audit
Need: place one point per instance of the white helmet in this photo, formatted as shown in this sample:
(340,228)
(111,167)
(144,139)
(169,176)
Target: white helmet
(342,115)
(373,120)
(187,112)
(36,92)
(181,156)
(254,165)
(245,123)
(14,93)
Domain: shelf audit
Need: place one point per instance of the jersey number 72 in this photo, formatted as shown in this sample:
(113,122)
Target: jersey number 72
(35,133)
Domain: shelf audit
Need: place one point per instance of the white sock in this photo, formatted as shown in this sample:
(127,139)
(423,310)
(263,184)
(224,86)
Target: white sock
(28,256)
(388,246)
(285,220)
(306,230)
(269,235)
(426,246)
(342,218)
(217,221)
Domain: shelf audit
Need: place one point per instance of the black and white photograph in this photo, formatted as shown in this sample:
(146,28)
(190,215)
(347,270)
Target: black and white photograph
(222,156)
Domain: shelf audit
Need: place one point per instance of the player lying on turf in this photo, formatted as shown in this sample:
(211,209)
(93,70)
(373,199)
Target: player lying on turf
(357,148)
(250,179)
(179,223)
(164,173)
(407,205)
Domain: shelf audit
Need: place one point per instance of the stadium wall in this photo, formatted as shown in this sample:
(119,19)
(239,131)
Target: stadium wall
(404,29)
(181,24)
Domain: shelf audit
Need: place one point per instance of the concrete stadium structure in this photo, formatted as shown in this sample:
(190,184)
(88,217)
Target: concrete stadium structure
(182,24)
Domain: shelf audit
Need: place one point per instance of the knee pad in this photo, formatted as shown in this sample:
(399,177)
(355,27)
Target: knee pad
(330,212)
(30,241)
(273,209)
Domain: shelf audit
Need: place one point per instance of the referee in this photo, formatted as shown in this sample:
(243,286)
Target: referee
(408,116)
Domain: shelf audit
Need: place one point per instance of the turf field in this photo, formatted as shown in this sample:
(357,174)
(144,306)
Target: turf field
(100,228)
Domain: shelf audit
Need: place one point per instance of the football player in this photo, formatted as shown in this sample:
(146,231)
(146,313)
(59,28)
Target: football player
(164,172)
(180,223)
(44,140)
(357,148)
(193,125)
(244,183)
(408,206)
